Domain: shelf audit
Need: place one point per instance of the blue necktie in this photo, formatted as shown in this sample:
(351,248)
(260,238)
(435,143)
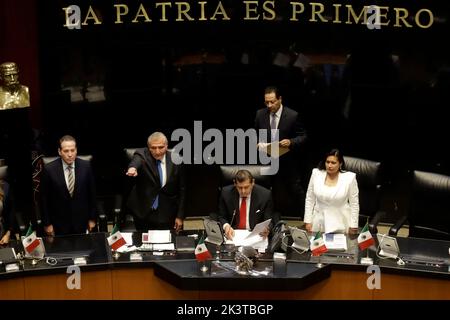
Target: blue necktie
(156,202)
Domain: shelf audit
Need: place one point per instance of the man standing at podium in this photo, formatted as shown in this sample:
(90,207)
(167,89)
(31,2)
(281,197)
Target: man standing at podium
(158,196)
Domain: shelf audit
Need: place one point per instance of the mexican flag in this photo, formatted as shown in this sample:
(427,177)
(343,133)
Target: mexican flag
(115,240)
(30,242)
(318,245)
(201,251)
(365,238)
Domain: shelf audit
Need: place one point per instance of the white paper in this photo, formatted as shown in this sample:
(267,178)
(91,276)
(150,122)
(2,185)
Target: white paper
(335,241)
(163,246)
(124,249)
(252,239)
(128,237)
(239,237)
(159,236)
(260,227)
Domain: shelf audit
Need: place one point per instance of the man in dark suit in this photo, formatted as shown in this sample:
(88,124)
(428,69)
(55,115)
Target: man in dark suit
(68,192)
(287,187)
(244,204)
(158,196)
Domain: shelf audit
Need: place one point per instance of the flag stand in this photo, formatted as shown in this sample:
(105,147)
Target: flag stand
(218,252)
(319,264)
(204,267)
(116,255)
(367,260)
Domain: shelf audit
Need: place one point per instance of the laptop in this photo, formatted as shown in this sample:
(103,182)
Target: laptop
(214,232)
(388,246)
(300,239)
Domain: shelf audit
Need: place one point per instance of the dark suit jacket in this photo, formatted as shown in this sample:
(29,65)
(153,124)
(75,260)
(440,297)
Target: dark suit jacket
(6,214)
(147,187)
(290,127)
(68,215)
(260,200)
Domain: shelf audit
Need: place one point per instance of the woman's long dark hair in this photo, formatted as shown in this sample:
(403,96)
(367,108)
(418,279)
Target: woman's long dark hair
(338,155)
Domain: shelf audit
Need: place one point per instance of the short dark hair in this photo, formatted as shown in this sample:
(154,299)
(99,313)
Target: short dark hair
(66,138)
(273,89)
(243,175)
(338,155)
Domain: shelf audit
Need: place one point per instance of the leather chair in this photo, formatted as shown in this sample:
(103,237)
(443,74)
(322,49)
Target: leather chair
(370,188)
(229,171)
(3,172)
(22,227)
(122,216)
(429,212)
(50,159)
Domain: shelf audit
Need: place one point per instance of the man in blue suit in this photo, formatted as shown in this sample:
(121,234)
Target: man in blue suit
(158,195)
(68,192)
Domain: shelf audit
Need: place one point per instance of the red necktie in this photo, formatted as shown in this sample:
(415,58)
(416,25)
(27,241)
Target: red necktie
(243,214)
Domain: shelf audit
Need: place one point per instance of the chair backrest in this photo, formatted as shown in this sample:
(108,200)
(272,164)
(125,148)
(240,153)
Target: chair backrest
(3,172)
(369,184)
(129,153)
(228,173)
(47,160)
(429,214)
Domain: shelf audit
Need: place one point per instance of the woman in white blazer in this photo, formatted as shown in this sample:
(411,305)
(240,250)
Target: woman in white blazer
(332,199)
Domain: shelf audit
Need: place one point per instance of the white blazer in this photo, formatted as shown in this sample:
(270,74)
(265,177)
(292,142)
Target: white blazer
(332,209)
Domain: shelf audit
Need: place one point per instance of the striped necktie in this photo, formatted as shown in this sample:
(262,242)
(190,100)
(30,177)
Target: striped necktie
(70,180)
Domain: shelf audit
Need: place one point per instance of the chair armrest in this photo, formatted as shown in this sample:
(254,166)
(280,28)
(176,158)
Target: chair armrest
(21,223)
(102,217)
(396,227)
(117,209)
(373,224)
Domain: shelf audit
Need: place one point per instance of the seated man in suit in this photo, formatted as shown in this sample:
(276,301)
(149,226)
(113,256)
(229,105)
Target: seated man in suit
(244,204)
(158,196)
(68,192)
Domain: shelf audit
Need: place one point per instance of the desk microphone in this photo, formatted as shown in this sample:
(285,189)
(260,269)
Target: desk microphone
(232,218)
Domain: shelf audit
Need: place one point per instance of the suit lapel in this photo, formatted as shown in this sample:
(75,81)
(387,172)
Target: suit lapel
(169,166)
(253,207)
(151,164)
(267,120)
(236,207)
(77,175)
(282,120)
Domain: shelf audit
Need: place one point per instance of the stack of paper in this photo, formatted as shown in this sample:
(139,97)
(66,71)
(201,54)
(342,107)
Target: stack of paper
(252,239)
(159,236)
(335,241)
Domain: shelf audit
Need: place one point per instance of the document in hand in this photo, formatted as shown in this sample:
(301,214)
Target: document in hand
(274,149)
(252,239)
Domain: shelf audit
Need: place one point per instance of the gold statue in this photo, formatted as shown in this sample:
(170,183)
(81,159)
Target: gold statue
(12,93)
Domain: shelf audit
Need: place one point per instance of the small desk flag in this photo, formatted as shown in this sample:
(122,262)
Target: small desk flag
(30,242)
(201,251)
(318,245)
(365,238)
(115,240)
